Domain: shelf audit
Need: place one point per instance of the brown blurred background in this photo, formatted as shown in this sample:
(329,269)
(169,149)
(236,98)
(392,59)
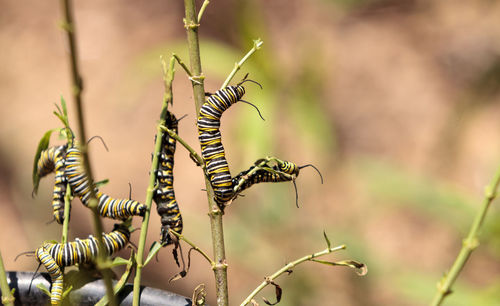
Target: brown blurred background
(396,102)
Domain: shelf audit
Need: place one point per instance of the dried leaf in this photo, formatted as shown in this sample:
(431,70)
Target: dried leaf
(361,268)
(177,276)
(278,292)
(199,295)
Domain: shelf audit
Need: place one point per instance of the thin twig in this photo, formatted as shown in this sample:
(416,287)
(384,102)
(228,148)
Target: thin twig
(237,66)
(196,248)
(470,243)
(183,65)
(215,214)
(191,151)
(202,9)
(7,297)
(77,88)
(287,268)
(169,77)
(122,282)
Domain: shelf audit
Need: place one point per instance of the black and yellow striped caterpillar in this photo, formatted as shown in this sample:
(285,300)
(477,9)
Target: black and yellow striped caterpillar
(55,256)
(80,185)
(164,196)
(54,159)
(212,150)
(260,172)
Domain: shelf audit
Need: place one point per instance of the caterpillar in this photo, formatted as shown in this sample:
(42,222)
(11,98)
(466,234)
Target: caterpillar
(54,159)
(212,150)
(283,171)
(55,256)
(107,206)
(164,196)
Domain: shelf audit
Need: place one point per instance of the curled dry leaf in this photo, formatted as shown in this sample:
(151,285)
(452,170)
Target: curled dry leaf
(278,292)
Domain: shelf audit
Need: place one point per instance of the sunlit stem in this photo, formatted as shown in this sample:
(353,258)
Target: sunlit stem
(237,66)
(469,244)
(287,268)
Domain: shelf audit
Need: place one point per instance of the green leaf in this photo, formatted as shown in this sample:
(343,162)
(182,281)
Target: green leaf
(43,289)
(42,145)
(118,261)
(327,240)
(65,109)
(153,250)
(66,292)
(101,183)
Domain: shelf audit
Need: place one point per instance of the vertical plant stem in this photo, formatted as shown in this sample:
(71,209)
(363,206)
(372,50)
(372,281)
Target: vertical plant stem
(67,208)
(7,297)
(77,88)
(469,244)
(215,215)
(167,98)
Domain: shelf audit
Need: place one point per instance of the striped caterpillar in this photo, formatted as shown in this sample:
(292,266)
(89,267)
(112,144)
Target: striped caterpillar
(212,150)
(55,256)
(80,185)
(260,172)
(164,196)
(54,159)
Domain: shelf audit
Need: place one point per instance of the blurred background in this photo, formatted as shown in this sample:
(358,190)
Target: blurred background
(396,102)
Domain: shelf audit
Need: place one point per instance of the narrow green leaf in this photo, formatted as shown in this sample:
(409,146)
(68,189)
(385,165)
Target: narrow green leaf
(153,250)
(65,109)
(43,289)
(327,240)
(101,183)
(67,291)
(43,144)
(118,261)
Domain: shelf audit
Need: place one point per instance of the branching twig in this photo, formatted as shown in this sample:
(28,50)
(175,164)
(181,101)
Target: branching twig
(288,268)
(183,65)
(169,77)
(237,66)
(191,151)
(77,88)
(215,214)
(469,244)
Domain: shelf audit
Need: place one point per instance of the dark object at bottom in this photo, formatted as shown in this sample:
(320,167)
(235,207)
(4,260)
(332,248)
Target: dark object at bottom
(88,294)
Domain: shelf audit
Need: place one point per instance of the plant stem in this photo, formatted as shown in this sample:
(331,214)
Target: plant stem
(287,268)
(469,244)
(167,98)
(237,66)
(7,297)
(202,9)
(67,209)
(77,88)
(215,214)
(121,283)
(191,151)
(183,65)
